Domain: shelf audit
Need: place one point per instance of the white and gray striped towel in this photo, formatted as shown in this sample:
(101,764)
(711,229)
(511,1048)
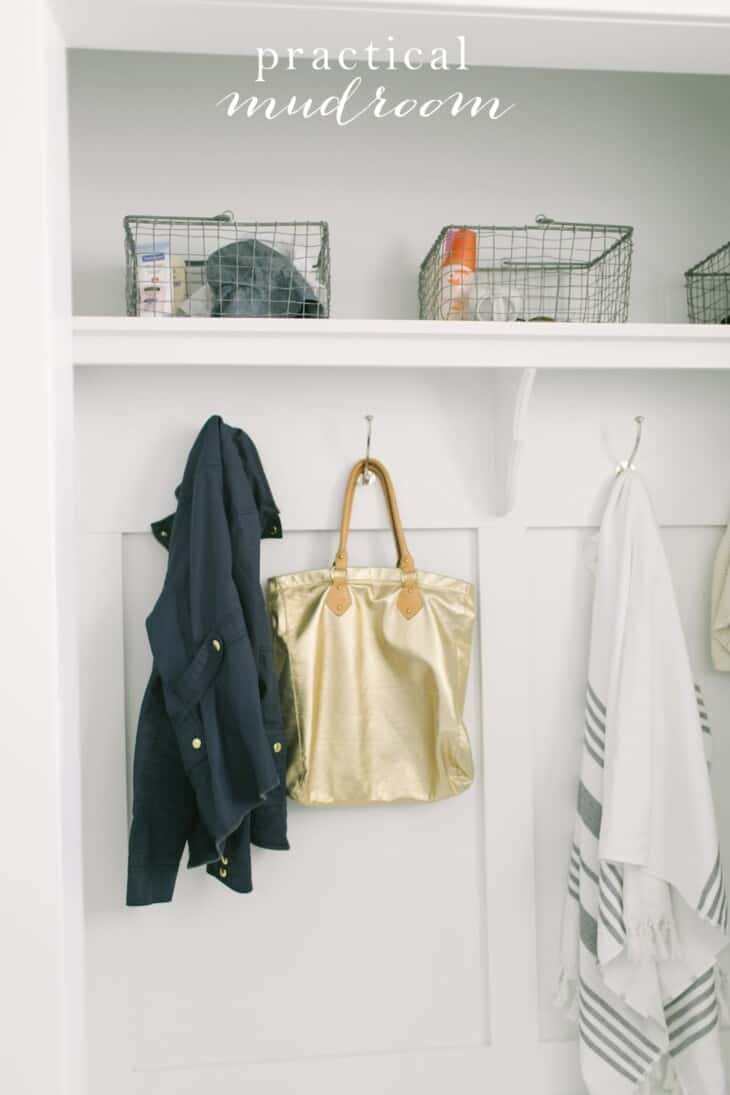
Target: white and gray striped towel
(646,912)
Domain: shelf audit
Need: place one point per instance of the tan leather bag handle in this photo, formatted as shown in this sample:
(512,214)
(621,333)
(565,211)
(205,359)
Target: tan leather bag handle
(405,560)
(339,598)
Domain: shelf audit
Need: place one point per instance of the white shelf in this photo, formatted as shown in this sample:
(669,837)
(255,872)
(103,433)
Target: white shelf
(125,341)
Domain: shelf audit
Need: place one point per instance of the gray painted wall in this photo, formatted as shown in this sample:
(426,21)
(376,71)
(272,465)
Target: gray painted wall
(648,150)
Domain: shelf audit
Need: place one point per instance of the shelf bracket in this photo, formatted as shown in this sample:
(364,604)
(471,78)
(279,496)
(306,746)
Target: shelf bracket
(513,388)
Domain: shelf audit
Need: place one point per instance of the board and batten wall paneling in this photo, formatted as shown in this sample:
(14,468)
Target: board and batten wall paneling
(390,949)
(369,936)
(368,941)
(582,426)
(109,933)
(434,431)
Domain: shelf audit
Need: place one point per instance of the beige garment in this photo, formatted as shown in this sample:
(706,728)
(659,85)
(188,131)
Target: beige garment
(720,624)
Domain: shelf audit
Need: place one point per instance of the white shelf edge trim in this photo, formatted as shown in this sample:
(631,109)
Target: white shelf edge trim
(620,35)
(121,341)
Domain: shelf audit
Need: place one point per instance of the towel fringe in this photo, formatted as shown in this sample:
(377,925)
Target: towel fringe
(660,1080)
(650,940)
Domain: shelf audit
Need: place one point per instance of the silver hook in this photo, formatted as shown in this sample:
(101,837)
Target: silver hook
(367,475)
(628,465)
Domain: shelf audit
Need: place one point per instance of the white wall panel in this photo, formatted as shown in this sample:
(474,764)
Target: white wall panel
(582,426)
(368,937)
(108,942)
(556,657)
(433,431)
(365,952)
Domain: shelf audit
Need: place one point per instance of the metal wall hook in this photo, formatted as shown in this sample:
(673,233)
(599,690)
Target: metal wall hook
(628,465)
(367,475)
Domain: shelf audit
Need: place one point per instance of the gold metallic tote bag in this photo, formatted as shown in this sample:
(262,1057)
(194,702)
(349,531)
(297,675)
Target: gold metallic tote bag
(372,665)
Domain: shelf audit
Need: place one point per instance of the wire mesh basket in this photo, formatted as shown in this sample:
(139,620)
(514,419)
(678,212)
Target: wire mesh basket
(708,288)
(218,266)
(552,270)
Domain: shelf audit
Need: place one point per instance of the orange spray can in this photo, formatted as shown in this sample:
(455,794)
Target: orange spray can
(458,270)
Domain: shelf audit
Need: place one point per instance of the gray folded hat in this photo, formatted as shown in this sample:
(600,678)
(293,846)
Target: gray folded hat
(249,278)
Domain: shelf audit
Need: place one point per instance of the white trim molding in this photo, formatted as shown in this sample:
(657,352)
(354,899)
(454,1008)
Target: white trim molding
(619,35)
(145,341)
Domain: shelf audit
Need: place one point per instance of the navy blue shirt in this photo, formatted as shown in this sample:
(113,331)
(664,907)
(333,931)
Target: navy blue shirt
(210,757)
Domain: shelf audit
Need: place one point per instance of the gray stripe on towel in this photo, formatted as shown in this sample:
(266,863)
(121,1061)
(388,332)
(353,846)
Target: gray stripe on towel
(609,1045)
(619,1018)
(614,1064)
(588,932)
(710,881)
(596,700)
(589,809)
(701,980)
(616,1031)
(694,1037)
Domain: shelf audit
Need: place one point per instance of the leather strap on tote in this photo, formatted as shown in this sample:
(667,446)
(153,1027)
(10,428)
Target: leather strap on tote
(409,598)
